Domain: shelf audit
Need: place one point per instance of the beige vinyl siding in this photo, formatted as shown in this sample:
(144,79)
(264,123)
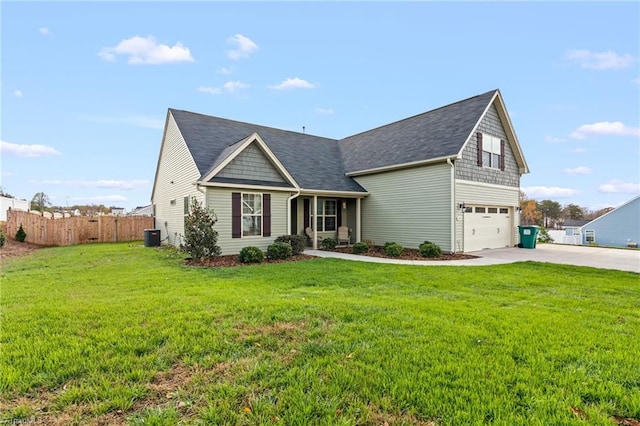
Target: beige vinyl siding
(408,206)
(175,165)
(219,199)
(252,163)
(473,193)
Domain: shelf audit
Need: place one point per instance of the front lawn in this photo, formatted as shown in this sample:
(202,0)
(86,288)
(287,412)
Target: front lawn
(123,334)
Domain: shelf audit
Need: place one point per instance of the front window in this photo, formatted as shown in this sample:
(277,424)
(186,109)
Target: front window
(491,150)
(251,215)
(326,217)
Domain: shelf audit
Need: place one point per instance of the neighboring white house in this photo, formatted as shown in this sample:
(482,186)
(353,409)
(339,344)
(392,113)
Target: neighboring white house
(11,203)
(142,211)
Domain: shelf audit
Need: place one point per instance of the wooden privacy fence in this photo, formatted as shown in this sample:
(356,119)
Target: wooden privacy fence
(73,230)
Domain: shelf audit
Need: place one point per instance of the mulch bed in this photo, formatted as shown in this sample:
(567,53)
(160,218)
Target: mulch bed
(232,260)
(408,254)
(13,248)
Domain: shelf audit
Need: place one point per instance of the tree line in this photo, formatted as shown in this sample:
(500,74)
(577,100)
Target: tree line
(551,214)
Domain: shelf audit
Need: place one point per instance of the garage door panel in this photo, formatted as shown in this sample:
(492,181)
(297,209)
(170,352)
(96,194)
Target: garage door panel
(486,227)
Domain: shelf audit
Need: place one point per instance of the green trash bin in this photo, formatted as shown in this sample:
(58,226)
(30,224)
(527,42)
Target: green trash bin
(528,236)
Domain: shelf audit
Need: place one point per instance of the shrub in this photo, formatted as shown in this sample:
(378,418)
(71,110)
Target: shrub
(279,250)
(21,235)
(543,236)
(393,249)
(329,243)
(200,239)
(297,242)
(359,248)
(429,249)
(3,238)
(370,244)
(251,254)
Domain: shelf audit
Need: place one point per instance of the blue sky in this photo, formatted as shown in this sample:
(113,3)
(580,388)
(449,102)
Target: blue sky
(86,86)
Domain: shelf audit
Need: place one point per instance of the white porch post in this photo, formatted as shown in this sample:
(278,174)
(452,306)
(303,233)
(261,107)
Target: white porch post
(314,225)
(358,233)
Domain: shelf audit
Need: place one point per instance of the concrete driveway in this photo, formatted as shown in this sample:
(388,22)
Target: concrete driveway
(597,257)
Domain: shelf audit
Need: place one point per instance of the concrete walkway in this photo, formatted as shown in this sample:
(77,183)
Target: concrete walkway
(597,257)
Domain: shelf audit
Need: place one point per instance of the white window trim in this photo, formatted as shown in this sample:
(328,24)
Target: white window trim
(242,204)
(491,145)
(323,215)
(589,233)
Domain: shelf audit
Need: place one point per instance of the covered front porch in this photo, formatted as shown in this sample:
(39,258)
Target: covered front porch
(321,215)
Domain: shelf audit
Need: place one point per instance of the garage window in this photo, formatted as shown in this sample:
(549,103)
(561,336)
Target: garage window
(504,210)
(481,210)
(492,210)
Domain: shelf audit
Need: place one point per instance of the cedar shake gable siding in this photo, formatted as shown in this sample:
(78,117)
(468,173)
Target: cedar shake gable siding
(467,167)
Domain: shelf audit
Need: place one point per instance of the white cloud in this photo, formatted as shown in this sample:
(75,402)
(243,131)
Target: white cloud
(225,71)
(581,170)
(44,31)
(554,139)
(209,89)
(293,83)
(600,60)
(604,128)
(548,192)
(133,120)
(617,186)
(102,183)
(636,80)
(324,111)
(17,93)
(228,87)
(579,150)
(18,150)
(142,50)
(244,47)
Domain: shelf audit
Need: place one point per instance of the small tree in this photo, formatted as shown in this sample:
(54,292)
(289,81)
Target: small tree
(40,201)
(21,235)
(3,238)
(200,239)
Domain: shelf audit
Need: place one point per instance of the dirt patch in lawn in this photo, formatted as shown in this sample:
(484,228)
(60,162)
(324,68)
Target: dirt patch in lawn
(14,248)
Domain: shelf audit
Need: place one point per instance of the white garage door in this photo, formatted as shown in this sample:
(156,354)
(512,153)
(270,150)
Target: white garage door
(486,227)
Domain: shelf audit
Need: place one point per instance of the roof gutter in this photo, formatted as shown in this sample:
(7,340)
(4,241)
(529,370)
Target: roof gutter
(295,195)
(402,166)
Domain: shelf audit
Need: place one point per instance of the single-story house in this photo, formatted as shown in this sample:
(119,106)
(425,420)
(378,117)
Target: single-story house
(570,233)
(450,176)
(618,228)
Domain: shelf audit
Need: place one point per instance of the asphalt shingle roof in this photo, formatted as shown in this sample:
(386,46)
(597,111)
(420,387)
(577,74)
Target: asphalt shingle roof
(321,163)
(314,162)
(437,133)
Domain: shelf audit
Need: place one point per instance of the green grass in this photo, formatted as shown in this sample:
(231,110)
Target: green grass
(112,333)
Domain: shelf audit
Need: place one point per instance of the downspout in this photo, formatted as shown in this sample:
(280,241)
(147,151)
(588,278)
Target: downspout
(289,209)
(453,206)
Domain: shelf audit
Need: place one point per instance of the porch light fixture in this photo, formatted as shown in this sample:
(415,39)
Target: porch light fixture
(461,206)
(344,205)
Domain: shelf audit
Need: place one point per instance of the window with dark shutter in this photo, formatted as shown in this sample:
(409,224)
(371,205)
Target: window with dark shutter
(236,215)
(479,136)
(502,155)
